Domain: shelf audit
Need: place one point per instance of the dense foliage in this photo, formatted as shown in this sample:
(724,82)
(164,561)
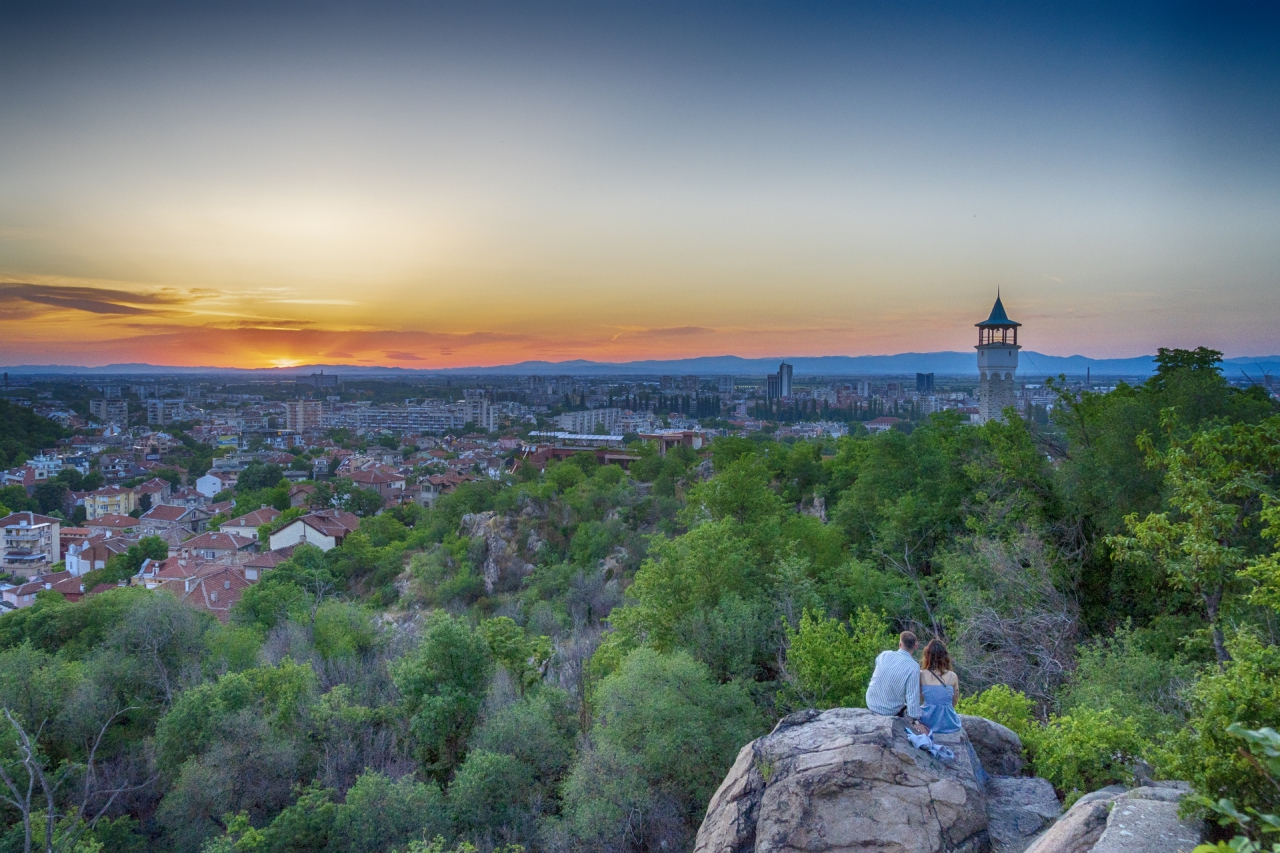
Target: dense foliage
(23,433)
(570,660)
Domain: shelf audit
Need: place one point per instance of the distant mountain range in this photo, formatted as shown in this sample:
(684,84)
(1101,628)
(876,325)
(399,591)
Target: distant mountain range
(1032,364)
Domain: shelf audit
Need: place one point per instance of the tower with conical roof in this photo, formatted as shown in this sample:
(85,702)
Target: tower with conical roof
(997,363)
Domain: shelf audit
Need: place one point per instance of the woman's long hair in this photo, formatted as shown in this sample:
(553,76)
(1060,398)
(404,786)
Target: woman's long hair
(936,659)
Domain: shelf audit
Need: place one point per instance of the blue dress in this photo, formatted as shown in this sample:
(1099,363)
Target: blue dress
(937,712)
(940,716)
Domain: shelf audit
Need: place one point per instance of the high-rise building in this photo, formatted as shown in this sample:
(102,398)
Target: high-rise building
(110,411)
(864,387)
(778,385)
(725,385)
(997,363)
(303,415)
(924,383)
(165,411)
(689,384)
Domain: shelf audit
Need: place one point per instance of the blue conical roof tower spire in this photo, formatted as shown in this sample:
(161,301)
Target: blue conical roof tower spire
(998,316)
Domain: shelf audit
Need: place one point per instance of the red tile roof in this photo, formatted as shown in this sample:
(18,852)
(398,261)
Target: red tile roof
(212,541)
(112,522)
(258,517)
(31,518)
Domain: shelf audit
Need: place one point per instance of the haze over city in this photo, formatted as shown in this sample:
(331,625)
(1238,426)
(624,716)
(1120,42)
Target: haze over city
(425,186)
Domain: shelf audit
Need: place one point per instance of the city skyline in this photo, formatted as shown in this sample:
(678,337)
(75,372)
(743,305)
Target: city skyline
(430,187)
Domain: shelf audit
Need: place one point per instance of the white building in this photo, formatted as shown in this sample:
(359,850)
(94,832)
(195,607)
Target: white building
(31,543)
(216,481)
(588,420)
(325,529)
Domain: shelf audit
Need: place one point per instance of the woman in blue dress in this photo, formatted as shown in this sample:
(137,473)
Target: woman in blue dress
(939,694)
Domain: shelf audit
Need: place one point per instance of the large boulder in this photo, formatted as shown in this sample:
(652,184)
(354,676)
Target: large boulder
(1145,820)
(1116,820)
(846,780)
(1018,809)
(999,748)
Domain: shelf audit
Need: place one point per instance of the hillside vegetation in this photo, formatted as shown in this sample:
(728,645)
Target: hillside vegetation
(570,661)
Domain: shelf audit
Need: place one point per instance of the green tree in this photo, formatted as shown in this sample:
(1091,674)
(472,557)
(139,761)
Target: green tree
(1213,481)
(442,685)
(666,726)
(829,664)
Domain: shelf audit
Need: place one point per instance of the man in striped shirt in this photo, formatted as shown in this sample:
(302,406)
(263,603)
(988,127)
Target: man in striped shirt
(894,690)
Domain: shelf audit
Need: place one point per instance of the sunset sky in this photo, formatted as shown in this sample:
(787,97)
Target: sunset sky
(256,184)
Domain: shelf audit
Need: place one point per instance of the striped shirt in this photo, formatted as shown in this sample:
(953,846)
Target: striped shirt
(895,684)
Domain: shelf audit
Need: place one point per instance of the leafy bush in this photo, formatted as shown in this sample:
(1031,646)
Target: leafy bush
(1245,690)
(665,734)
(1086,750)
(1121,675)
(1006,706)
(830,664)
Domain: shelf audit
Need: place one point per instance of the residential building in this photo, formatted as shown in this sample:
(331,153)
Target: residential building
(113,525)
(247,525)
(689,385)
(110,411)
(24,595)
(389,486)
(303,415)
(166,411)
(217,547)
(110,500)
(172,523)
(588,420)
(31,543)
(924,384)
(324,528)
(883,424)
(778,385)
(93,553)
(216,481)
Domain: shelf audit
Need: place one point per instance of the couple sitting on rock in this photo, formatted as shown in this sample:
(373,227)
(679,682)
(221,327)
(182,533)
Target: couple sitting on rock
(925,694)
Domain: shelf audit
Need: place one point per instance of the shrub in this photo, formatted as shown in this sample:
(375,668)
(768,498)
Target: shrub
(830,664)
(1134,683)
(1245,690)
(1086,750)
(1006,706)
(489,792)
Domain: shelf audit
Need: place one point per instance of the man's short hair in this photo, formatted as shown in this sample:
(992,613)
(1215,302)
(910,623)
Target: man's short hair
(907,640)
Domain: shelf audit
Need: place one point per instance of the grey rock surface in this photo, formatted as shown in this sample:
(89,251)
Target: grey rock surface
(1079,829)
(846,780)
(1146,821)
(1018,809)
(998,748)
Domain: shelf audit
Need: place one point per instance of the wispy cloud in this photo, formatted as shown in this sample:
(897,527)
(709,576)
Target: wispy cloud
(93,300)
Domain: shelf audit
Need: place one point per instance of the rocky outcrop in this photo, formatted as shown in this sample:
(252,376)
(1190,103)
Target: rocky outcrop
(502,565)
(1018,809)
(1145,820)
(1116,820)
(843,780)
(999,749)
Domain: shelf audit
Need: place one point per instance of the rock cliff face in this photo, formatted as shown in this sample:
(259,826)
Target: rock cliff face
(502,563)
(844,780)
